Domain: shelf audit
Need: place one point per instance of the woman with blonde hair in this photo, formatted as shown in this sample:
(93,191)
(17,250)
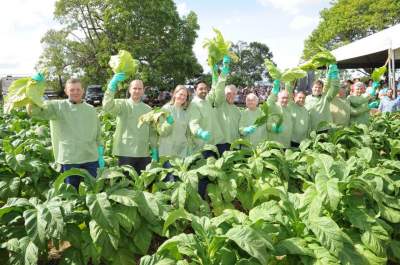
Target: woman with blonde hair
(173,130)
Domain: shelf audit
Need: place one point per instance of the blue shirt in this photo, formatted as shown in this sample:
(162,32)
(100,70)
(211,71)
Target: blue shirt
(389,105)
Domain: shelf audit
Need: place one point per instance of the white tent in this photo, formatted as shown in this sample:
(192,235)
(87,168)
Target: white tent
(373,51)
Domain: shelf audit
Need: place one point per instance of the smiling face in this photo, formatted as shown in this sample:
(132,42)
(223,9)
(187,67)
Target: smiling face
(317,89)
(230,94)
(251,101)
(180,96)
(74,91)
(283,98)
(300,99)
(136,90)
(202,90)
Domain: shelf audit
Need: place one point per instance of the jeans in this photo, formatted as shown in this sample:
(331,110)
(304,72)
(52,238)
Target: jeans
(91,167)
(223,147)
(169,176)
(138,163)
(204,181)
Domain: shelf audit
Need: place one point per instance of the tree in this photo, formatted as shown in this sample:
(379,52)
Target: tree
(93,30)
(349,20)
(250,67)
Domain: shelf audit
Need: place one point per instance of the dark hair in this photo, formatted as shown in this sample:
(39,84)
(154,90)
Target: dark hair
(319,82)
(199,82)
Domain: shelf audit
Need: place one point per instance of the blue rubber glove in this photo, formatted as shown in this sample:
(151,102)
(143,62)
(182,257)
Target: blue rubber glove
(225,64)
(203,135)
(117,78)
(170,119)
(100,152)
(38,77)
(375,85)
(277,87)
(333,72)
(249,130)
(154,154)
(373,105)
(276,128)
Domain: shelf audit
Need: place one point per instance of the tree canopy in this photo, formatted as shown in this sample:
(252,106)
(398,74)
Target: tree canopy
(250,66)
(349,20)
(93,30)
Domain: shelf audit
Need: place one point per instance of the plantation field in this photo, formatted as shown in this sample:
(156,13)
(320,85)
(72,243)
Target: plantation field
(334,201)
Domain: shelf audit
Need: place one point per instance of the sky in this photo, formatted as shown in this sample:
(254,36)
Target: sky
(283,25)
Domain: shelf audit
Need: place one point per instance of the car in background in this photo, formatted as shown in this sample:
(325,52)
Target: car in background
(94,95)
(51,94)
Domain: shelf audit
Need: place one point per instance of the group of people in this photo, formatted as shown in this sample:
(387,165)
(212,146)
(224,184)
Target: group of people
(210,118)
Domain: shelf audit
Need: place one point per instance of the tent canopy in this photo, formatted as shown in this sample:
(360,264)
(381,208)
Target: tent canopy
(371,51)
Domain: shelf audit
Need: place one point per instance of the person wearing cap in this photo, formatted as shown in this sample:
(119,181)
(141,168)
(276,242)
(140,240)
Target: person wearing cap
(318,104)
(131,144)
(247,128)
(228,115)
(359,110)
(389,103)
(340,108)
(75,131)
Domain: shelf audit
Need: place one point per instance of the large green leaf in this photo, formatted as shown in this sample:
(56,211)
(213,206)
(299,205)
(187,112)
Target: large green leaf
(328,189)
(142,239)
(250,241)
(173,216)
(123,62)
(175,247)
(378,73)
(123,196)
(101,211)
(35,224)
(293,74)
(293,246)
(273,71)
(22,251)
(123,257)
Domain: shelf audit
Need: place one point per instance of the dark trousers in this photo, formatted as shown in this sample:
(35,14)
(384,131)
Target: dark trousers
(91,167)
(169,176)
(138,163)
(294,144)
(204,181)
(223,147)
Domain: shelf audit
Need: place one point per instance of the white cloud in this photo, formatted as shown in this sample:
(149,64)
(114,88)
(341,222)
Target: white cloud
(290,6)
(23,24)
(182,8)
(303,22)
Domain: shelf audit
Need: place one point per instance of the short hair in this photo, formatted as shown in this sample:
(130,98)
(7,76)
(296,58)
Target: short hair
(201,81)
(230,87)
(136,80)
(252,96)
(300,92)
(73,81)
(318,82)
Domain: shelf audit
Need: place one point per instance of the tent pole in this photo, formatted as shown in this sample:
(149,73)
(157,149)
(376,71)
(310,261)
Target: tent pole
(393,74)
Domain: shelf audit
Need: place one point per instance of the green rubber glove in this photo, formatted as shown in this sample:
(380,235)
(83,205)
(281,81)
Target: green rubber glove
(100,152)
(249,130)
(154,154)
(333,72)
(375,85)
(203,135)
(170,119)
(38,77)
(277,87)
(225,65)
(276,128)
(373,105)
(117,78)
